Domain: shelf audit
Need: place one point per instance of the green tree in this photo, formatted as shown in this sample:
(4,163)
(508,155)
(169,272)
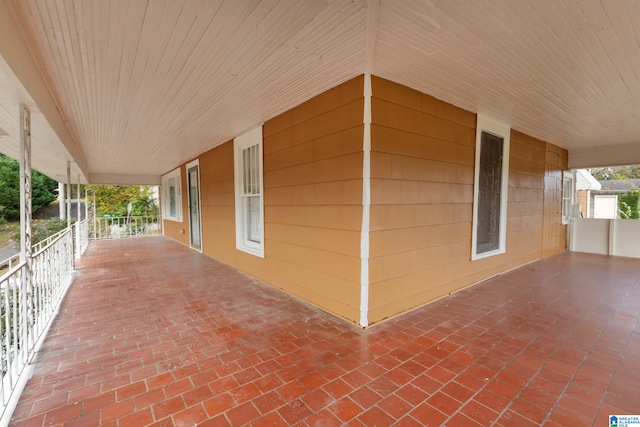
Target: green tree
(628,204)
(43,189)
(114,199)
(616,173)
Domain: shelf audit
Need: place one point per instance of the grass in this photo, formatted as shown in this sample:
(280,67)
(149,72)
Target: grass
(7,231)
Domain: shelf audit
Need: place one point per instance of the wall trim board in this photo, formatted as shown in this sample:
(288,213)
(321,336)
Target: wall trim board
(366,205)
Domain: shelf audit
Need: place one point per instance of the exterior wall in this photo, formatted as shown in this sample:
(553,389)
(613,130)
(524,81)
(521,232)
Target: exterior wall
(582,198)
(313,201)
(554,237)
(422,168)
(422,172)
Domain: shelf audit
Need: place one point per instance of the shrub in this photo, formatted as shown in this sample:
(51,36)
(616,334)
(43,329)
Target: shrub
(628,204)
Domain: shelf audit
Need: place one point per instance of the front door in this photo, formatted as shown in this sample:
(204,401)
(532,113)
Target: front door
(193,181)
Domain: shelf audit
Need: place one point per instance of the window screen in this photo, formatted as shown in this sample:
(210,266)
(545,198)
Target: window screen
(489,193)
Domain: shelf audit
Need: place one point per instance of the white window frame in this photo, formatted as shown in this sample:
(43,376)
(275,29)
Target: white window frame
(503,131)
(567,200)
(243,243)
(172,179)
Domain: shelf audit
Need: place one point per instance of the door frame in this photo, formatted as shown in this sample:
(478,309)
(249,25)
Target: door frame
(190,165)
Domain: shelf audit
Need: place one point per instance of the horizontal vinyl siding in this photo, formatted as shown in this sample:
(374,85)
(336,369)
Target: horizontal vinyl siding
(313,201)
(218,203)
(423,153)
(555,234)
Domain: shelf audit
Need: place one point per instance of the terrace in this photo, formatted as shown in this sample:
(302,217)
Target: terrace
(153,333)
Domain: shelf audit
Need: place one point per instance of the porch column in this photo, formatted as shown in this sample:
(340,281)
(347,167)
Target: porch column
(68,194)
(86,201)
(61,201)
(79,219)
(95,220)
(26,285)
(78,199)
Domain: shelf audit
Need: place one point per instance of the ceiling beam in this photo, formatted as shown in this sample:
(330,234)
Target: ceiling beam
(601,156)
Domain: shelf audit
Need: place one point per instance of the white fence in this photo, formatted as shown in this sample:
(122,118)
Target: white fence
(619,237)
(29,301)
(123,227)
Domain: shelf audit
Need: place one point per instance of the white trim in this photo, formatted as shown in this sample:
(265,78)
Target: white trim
(113,179)
(251,138)
(366,205)
(189,165)
(176,173)
(568,176)
(484,124)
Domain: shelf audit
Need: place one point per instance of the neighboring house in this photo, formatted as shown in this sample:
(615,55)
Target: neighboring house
(605,199)
(364,204)
(585,184)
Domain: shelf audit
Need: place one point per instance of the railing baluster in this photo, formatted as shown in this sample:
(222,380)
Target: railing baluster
(52,269)
(123,227)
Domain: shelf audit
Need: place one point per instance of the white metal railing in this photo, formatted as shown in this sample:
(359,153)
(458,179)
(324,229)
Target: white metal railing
(36,247)
(28,302)
(123,227)
(10,262)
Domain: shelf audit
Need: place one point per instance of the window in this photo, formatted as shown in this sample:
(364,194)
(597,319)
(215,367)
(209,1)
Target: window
(172,196)
(567,196)
(248,188)
(490,188)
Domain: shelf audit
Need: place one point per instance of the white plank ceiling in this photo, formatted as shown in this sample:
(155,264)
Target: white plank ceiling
(140,86)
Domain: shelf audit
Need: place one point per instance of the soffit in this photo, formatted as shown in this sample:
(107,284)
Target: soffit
(146,85)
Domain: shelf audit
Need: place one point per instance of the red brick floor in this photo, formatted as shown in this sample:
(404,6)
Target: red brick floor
(152,333)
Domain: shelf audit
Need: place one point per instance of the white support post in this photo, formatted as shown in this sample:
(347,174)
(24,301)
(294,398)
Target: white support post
(26,288)
(95,220)
(86,201)
(78,200)
(160,220)
(62,201)
(68,194)
(79,219)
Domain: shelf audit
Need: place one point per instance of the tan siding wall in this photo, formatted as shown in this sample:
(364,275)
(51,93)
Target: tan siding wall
(554,235)
(582,198)
(422,161)
(218,201)
(313,201)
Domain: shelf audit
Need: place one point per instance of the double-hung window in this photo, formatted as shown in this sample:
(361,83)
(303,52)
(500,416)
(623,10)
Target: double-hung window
(172,196)
(490,188)
(249,192)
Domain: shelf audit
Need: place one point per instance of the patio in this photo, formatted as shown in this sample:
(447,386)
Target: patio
(152,333)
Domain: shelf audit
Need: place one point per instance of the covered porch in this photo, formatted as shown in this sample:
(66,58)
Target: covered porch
(153,333)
